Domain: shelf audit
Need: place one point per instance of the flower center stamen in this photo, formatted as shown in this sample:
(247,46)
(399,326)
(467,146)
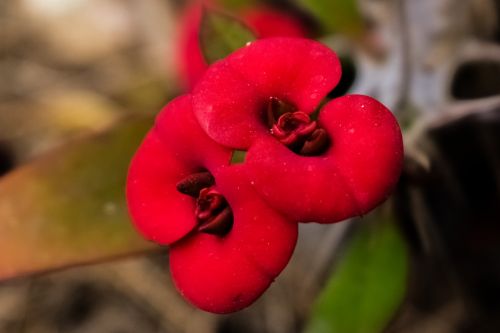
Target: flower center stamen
(194,183)
(213,213)
(295,129)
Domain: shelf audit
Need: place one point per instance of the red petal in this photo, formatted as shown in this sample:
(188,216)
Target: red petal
(307,189)
(353,176)
(159,212)
(229,100)
(368,147)
(180,131)
(166,156)
(266,237)
(212,278)
(226,274)
(225,106)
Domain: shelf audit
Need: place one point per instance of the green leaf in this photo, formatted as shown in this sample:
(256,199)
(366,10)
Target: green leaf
(68,207)
(238,4)
(221,34)
(340,16)
(238,156)
(368,285)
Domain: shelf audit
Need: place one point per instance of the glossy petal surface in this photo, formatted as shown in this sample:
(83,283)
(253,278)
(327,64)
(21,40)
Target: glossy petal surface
(230,100)
(354,175)
(226,274)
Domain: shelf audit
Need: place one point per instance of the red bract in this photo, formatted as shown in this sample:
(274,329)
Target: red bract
(260,97)
(264,22)
(356,173)
(231,98)
(226,244)
(227,274)
(168,154)
(159,212)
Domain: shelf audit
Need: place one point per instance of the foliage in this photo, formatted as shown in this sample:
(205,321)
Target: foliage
(221,34)
(68,207)
(369,283)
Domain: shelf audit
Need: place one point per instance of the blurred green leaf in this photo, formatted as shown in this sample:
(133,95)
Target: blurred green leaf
(221,34)
(238,4)
(340,16)
(368,285)
(68,207)
(238,156)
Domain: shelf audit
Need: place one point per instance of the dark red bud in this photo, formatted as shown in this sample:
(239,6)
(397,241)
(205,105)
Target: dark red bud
(298,132)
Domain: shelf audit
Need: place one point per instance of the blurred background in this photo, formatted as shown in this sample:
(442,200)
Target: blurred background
(81,82)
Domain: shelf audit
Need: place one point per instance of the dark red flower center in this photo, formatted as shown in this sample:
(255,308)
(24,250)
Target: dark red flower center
(295,129)
(212,211)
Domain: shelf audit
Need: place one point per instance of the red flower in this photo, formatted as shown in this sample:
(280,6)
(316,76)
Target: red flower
(353,175)
(260,98)
(231,99)
(264,22)
(225,274)
(226,244)
(231,228)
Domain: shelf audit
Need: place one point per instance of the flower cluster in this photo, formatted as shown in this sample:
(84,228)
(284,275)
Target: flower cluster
(232,228)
